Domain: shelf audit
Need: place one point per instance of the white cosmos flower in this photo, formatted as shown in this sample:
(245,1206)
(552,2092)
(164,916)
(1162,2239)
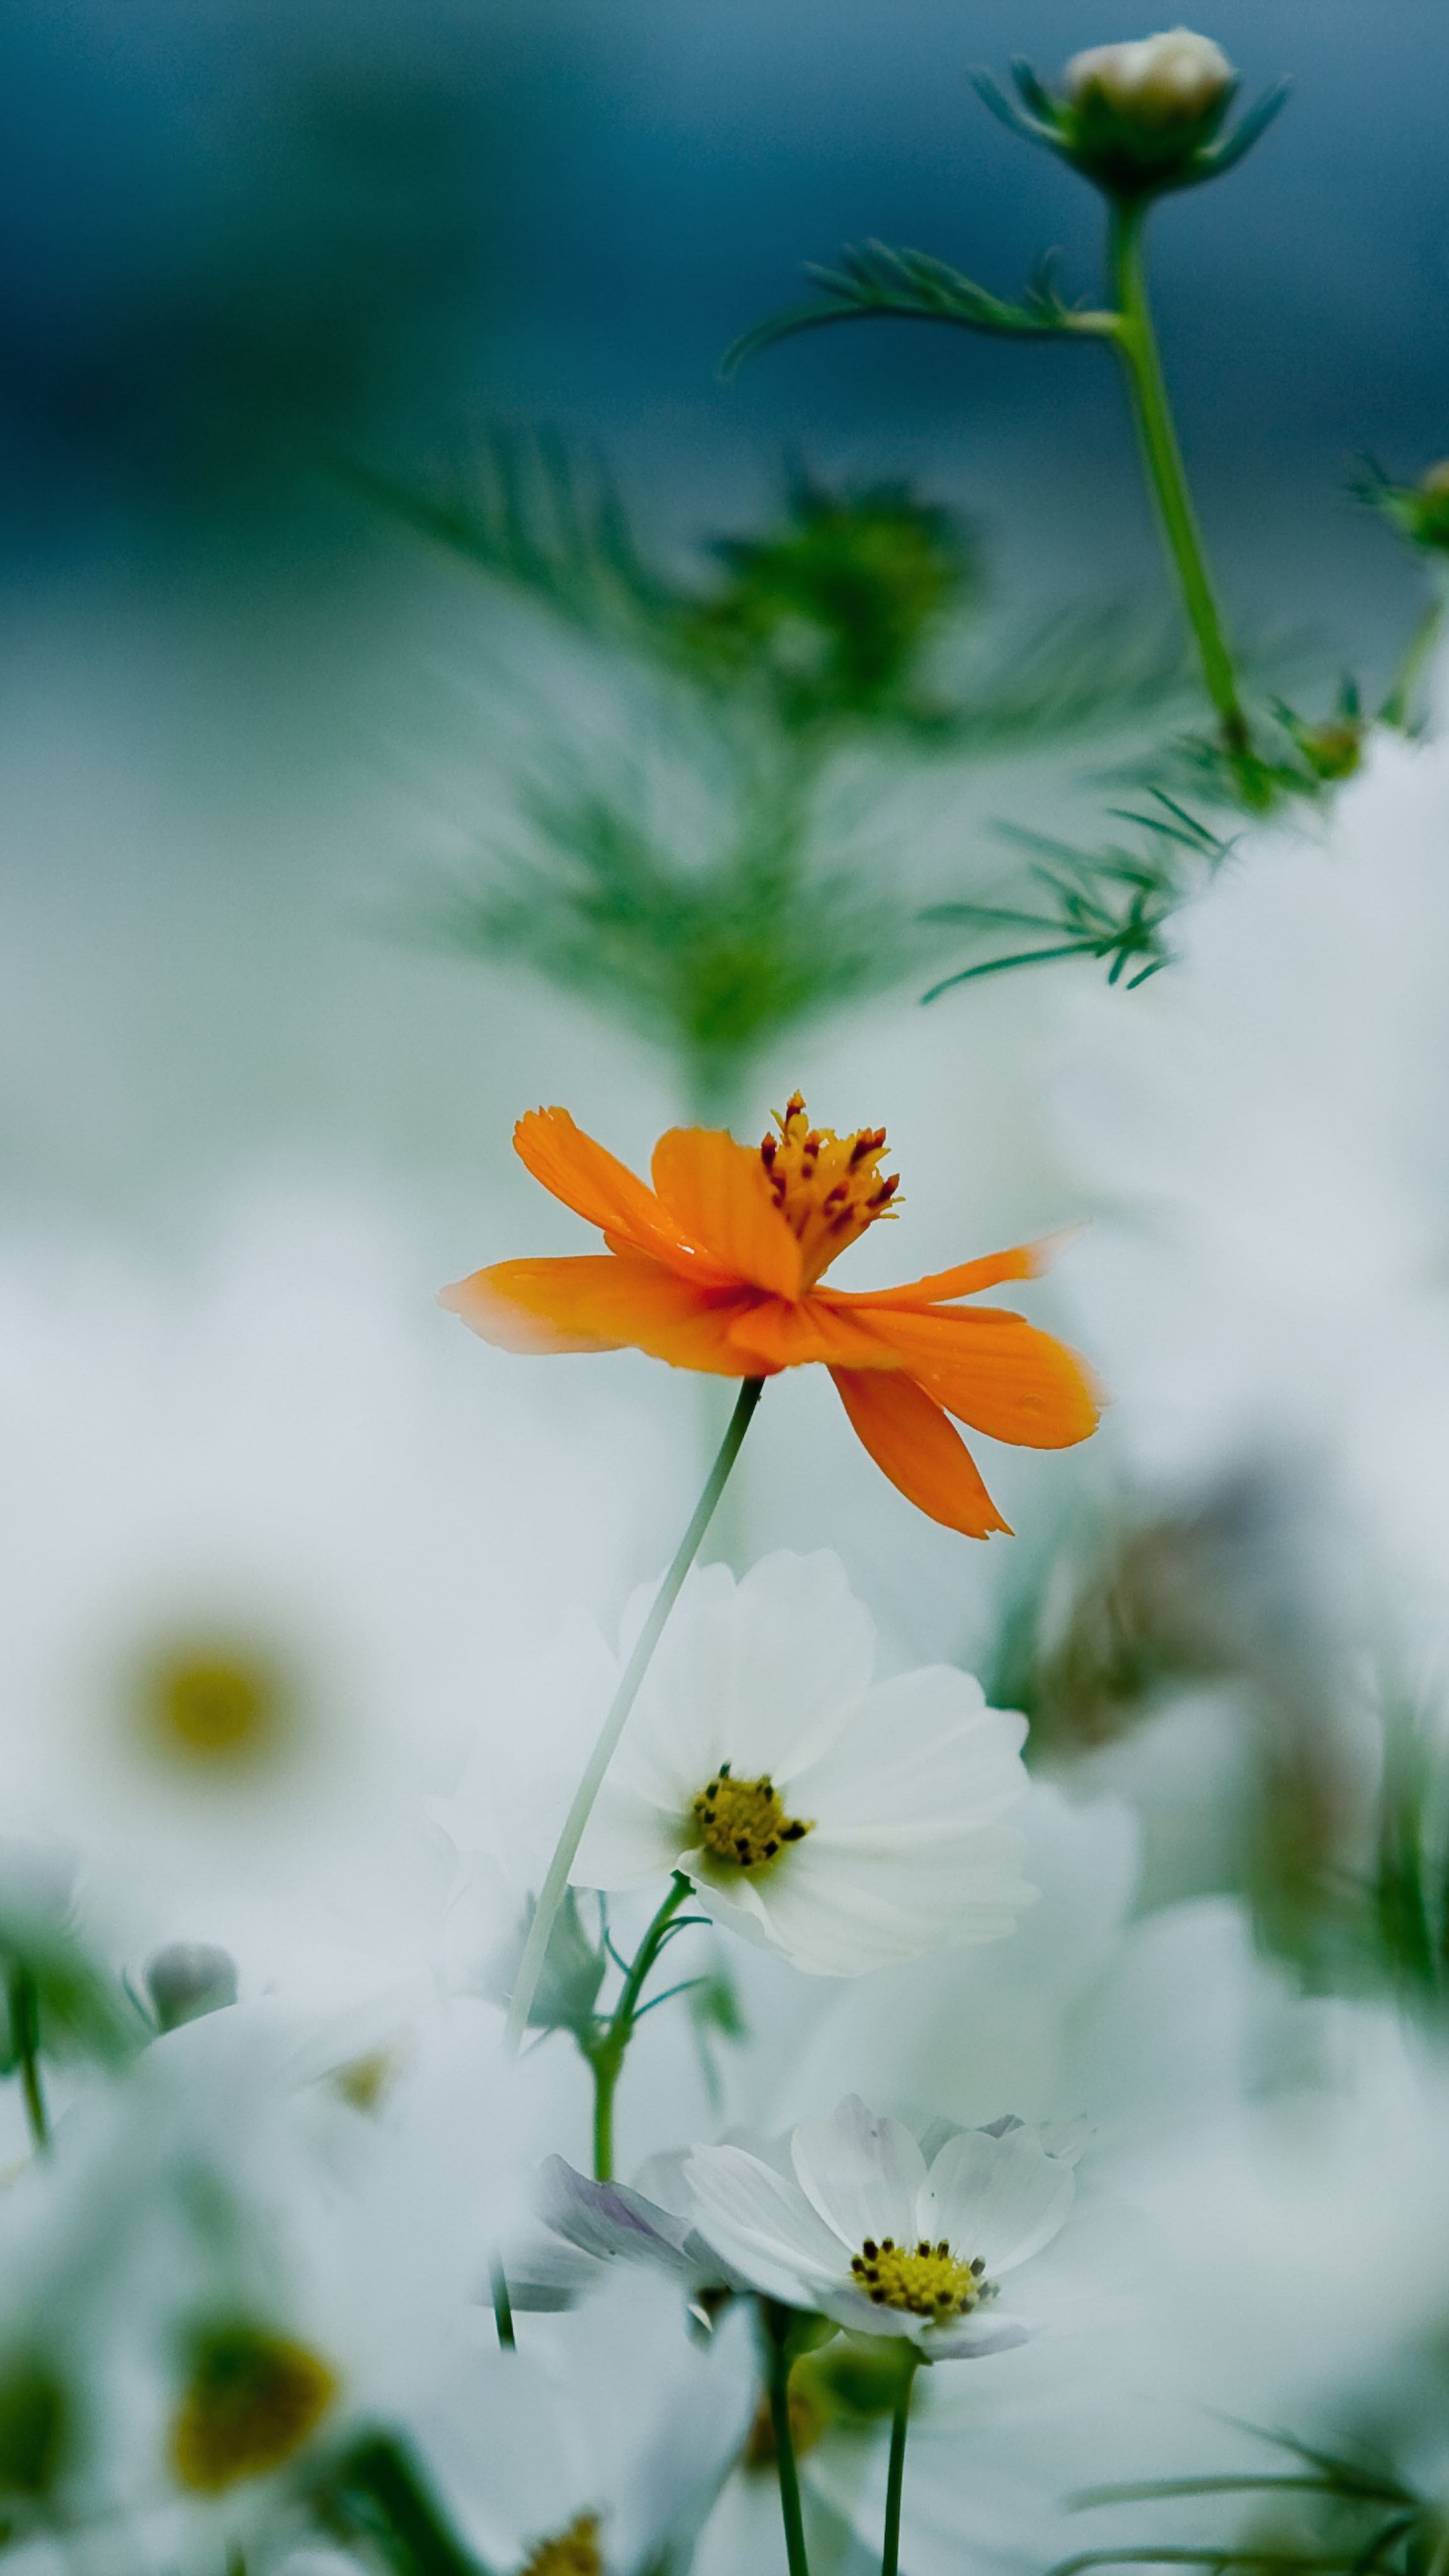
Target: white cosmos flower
(849,1823)
(861,2224)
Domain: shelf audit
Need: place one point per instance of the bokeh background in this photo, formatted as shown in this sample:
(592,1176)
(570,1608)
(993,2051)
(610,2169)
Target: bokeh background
(246,719)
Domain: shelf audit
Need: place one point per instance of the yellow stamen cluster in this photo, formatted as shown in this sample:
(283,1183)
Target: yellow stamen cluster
(744,1821)
(252,2400)
(203,1705)
(576,2552)
(828,1188)
(929,2282)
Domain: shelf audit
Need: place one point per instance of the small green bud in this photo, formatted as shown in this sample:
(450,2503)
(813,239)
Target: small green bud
(1421,510)
(189,1978)
(1136,116)
(35,2424)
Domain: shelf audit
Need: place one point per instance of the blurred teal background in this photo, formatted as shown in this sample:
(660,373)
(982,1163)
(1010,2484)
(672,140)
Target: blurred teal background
(242,241)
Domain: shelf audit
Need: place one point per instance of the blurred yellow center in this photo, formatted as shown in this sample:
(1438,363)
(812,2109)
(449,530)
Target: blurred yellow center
(207,1707)
(744,1821)
(928,2281)
(576,2551)
(252,2400)
(828,1188)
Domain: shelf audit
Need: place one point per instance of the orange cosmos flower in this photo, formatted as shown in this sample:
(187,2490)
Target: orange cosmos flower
(718,1267)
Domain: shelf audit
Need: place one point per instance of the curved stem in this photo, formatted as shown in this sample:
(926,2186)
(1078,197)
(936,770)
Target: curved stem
(606,2054)
(782,2355)
(1136,342)
(530,1966)
(895,2475)
(24,2005)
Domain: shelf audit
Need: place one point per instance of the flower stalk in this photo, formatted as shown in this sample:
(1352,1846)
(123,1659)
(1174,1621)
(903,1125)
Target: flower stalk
(607,2052)
(1133,334)
(24,2002)
(895,2474)
(781,2328)
(535,1948)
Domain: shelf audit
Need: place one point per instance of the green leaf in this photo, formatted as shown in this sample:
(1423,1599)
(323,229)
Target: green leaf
(877,283)
(378,2493)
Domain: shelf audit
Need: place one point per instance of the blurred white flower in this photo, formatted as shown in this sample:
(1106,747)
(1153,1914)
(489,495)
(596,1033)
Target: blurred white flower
(866,2227)
(844,1822)
(598,2447)
(261,1545)
(1265,1132)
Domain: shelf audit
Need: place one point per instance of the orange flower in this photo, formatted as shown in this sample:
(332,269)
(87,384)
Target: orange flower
(717,1267)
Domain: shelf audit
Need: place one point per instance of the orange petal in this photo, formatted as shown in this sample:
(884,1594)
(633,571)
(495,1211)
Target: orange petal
(781,1333)
(912,1442)
(598,1187)
(717,1192)
(600,1302)
(1025,1261)
(995,1371)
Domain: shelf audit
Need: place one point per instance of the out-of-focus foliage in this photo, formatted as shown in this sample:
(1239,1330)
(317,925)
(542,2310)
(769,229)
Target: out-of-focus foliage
(1330,2510)
(835,643)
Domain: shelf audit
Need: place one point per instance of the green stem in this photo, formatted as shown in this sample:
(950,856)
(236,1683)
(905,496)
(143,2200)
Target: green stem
(1136,342)
(24,2004)
(1398,706)
(530,1966)
(782,2355)
(502,2309)
(606,2054)
(900,2423)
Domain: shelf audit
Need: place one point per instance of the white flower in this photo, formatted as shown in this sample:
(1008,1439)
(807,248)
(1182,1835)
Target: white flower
(261,1553)
(847,1823)
(599,2445)
(861,2226)
(1169,78)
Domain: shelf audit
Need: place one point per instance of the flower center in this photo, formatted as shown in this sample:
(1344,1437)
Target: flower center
(828,1188)
(252,2400)
(744,1821)
(576,2552)
(211,1707)
(929,2282)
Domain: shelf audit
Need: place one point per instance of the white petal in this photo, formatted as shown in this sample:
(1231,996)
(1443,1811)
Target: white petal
(1001,2198)
(972,2338)
(862,2173)
(762,2224)
(840,1905)
(627,1839)
(923,1746)
(804,1651)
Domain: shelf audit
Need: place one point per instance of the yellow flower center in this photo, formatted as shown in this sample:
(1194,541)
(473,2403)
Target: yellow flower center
(744,1821)
(205,1706)
(828,1188)
(929,2282)
(576,2552)
(252,2400)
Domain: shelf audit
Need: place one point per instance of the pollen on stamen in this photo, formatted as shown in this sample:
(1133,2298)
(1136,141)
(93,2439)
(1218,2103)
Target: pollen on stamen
(828,1188)
(928,2282)
(744,1821)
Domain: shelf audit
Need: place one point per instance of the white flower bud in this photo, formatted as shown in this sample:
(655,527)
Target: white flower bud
(1169,79)
(189,1978)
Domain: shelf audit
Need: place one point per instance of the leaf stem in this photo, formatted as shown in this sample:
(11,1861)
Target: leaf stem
(530,1966)
(24,2002)
(779,2337)
(607,2052)
(895,2475)
(1136,342)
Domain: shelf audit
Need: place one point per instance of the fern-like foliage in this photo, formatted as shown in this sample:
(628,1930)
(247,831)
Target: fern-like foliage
(1329,2511)
(875,283)
(1111,905)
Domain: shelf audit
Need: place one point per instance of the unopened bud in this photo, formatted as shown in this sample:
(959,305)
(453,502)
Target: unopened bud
(188,1979)
(1173,79)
